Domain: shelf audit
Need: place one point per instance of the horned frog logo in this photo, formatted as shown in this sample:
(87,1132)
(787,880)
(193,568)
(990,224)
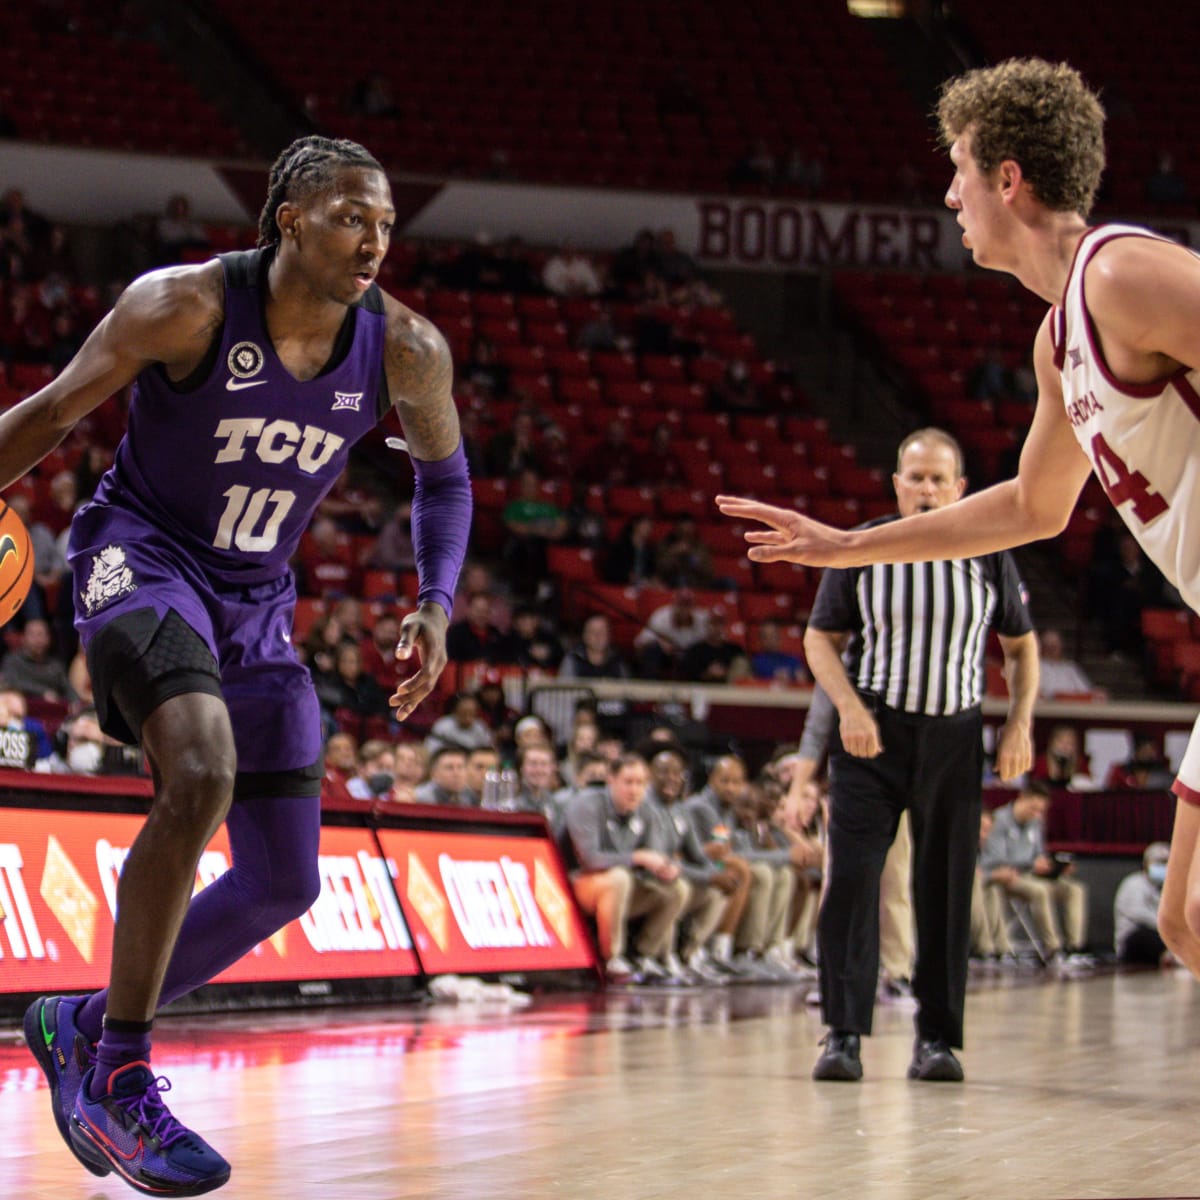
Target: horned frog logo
(110,579)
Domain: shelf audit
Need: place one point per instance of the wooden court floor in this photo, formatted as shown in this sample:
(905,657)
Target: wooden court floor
(1083,1088)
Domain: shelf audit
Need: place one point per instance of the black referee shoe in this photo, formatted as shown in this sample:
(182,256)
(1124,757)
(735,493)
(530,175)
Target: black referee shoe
(934,1061)
(839,1060)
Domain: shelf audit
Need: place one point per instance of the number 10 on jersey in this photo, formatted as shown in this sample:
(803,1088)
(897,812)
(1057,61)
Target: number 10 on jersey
(244,511)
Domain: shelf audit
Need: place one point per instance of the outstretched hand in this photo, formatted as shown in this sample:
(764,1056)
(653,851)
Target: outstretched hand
(422,632)
(789,536)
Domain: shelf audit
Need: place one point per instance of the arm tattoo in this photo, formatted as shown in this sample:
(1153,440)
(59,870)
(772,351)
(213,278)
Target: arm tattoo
(420,377)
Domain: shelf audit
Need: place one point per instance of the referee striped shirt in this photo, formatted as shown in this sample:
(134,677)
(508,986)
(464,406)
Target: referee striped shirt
(919,630)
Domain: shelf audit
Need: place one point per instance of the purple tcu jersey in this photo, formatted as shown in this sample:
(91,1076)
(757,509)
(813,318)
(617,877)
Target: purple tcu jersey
(232,461)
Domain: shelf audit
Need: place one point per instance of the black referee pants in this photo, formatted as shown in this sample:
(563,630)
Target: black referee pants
(932,766)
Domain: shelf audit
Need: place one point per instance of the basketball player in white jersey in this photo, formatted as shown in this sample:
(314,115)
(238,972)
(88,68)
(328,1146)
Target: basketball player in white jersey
(1118,368)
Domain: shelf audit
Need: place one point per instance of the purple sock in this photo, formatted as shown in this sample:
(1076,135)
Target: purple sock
(274,878)
(121,1043)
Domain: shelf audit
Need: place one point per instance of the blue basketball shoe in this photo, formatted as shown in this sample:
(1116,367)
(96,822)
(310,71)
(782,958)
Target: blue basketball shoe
(130,1130)
(64,1054)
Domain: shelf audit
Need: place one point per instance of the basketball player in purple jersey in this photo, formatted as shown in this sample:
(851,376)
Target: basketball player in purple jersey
(255,374)
(1118,368)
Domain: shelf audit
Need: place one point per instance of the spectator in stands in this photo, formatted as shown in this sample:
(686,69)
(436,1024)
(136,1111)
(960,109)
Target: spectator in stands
(378,650)
(15,215)
(1057,674)
(737,391)
(1147,770)
(670,631)
(716,658)
(393,548)
(633,266)
(677,268)
(376,774)
(61,503)
(585,733)
(555,453)
(989,378)
(713,812)
(713,887)
(495,710)
(474,638)
(447,783)
(348,687)
(755,169)
(460,726)
(372,96)
(485,372)
(989,934)
(799,814)
(1121,585)
(49,562)
(320,645)
(90,468)
(1014,859)
(772,662)
(348,612)
(1165,185)
(530,643)
(533,522)
(633,557)
(609,462)
(599,332)
(513,450)
(532,730)
(617,874)
(325,564)
(33,743)
(1063,764)
(481,762)
(341,763)
(1135,910)
(24,326)
(595,657)
(684,561)
(659,463)
(591,771)
(571,273)
(65,339)
(537,775)
(83,750)
(801,172)
(33,668)
(178,234)
(411,767)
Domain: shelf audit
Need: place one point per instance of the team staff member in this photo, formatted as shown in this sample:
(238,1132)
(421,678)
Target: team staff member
(908,699)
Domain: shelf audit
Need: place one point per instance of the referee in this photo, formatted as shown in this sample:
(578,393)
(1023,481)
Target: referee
(908,700)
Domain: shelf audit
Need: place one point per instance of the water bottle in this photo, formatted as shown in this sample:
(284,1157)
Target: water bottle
(509,786)
(491,790)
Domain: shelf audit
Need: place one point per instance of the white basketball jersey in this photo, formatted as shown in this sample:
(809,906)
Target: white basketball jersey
(1143,440)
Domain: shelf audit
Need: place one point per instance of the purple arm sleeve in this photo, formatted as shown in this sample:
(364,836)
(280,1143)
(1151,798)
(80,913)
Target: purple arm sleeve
(441,525)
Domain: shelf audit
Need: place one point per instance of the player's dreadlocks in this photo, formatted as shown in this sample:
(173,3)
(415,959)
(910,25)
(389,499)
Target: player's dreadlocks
(304,167)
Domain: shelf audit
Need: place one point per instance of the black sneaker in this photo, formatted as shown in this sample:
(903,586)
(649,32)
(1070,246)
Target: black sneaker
(839,1060)
(933,1060)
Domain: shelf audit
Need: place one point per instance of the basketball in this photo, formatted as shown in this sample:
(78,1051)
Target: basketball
(16,563)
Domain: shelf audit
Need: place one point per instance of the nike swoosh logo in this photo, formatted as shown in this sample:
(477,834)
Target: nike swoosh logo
(237,385)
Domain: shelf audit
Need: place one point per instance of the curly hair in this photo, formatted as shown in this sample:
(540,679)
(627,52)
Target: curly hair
(306,166)
(1039,114)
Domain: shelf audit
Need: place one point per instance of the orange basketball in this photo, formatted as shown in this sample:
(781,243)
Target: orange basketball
(16,563)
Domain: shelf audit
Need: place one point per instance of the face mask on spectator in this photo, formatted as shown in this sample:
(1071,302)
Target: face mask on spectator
(381,782)
(84,759)
(1157,872)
